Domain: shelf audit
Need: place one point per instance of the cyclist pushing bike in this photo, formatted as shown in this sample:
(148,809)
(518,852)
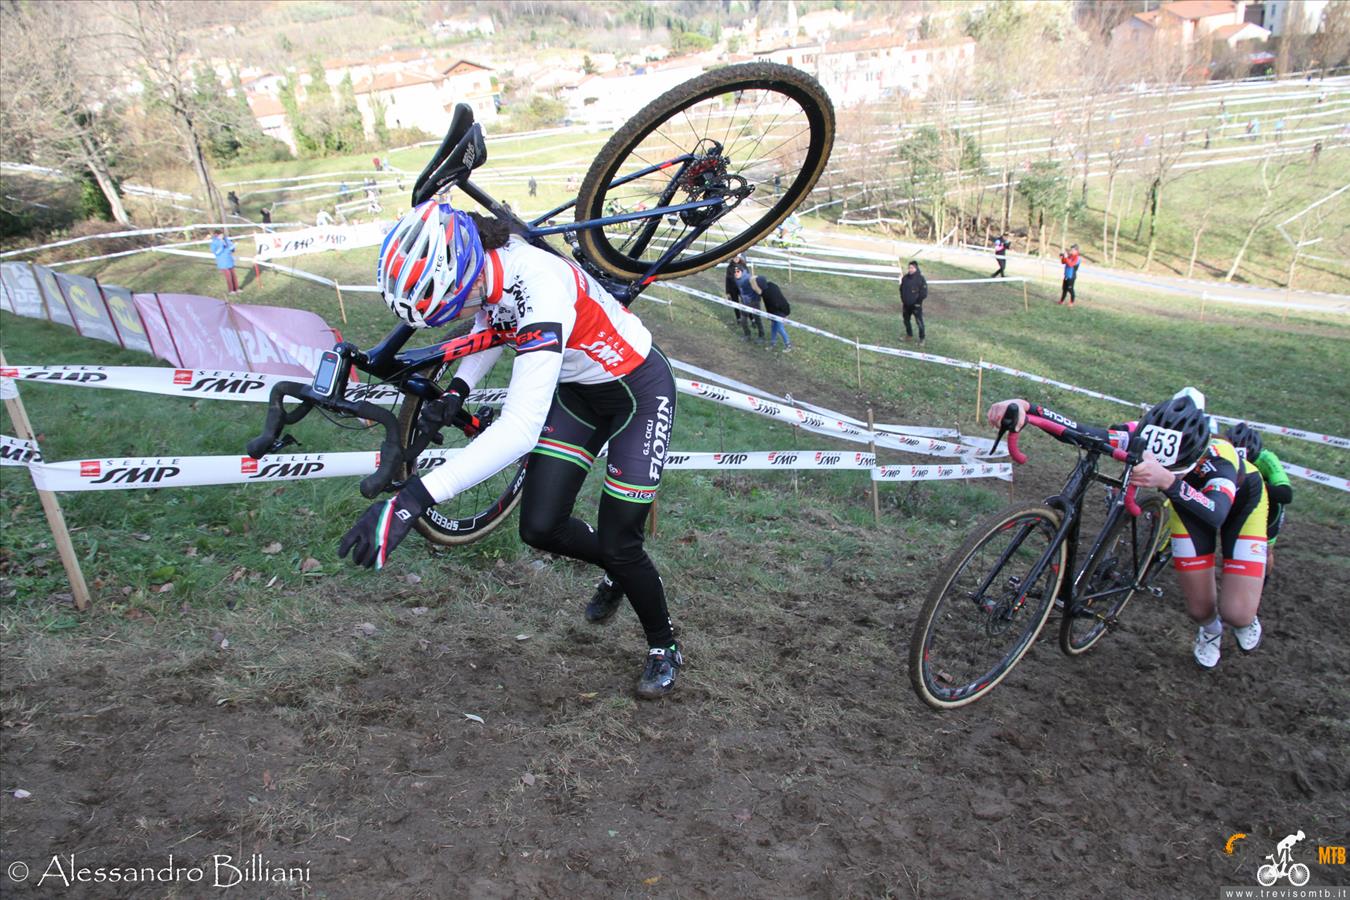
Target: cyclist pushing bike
(1278,489)
(585,373)
(1218,500)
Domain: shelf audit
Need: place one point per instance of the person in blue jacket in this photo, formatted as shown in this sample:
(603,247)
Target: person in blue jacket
(222,248)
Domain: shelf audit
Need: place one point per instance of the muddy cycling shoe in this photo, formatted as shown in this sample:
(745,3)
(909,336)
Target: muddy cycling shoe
(658,675)
(1248,636)
(605,602)
(1207,648)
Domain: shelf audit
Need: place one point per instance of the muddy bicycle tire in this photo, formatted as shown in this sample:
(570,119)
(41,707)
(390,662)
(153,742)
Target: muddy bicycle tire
(1108,582)
(475,513)
(974,598)
(789,92)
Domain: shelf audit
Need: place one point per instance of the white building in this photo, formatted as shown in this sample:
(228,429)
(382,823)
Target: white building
(424,96)
(1296,16)
(876,68)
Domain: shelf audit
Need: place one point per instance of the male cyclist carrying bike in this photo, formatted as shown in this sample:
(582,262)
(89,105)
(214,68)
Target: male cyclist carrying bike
(585,373)
(1218,500)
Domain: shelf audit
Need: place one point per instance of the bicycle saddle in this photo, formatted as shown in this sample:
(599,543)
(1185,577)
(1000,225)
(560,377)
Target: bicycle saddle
(462,151)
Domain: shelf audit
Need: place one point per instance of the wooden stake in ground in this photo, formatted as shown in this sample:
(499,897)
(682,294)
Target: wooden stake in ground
(55,520)
(876,490)
(342,307)
(979,389)
(857,346)
(1025,306)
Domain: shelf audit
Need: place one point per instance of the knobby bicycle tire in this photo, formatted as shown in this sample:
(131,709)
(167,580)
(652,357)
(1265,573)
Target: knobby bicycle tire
(1110,578)
(475,513)
(974,598)
(787,82)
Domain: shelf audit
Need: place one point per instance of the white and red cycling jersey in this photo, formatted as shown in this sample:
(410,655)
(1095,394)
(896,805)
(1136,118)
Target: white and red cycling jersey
(564,327)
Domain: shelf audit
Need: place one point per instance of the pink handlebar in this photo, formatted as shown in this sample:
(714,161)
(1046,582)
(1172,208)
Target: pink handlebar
(1051,427)
(1130,506)
(1017,455)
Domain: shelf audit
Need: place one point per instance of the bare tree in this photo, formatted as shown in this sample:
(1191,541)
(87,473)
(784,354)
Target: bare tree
(154,34)
(56,99)
(1268,182)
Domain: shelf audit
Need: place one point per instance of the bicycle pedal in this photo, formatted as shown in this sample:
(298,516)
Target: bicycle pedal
(1156,591)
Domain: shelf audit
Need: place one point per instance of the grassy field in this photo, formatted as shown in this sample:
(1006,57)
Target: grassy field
(316,712)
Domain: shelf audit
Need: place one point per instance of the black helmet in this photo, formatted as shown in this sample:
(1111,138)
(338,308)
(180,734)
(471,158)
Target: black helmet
(1245,438)
(1177,431)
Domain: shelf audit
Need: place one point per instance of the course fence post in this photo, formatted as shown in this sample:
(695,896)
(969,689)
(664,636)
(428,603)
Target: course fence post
(342,307)
(979,389)
(1204,298)
(55,519)
(876,490)
(1025,306)
(857,347)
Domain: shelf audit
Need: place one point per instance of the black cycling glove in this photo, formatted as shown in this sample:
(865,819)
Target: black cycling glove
(436,414)
(385,524)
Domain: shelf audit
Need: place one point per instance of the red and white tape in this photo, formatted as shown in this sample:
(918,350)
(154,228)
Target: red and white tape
(214,384)
(141,472)
(811,421)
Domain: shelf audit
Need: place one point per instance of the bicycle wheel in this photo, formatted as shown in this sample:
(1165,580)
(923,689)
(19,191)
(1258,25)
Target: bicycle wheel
(763,127)
(472,515)
(1111,577)
(983,613)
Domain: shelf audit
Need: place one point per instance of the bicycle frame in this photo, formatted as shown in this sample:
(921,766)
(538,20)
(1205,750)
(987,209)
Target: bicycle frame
(388,361)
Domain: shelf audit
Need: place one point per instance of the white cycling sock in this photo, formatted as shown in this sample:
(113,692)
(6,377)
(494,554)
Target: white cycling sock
(1215,627)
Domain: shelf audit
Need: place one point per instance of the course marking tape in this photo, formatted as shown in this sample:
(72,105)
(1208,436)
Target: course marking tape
(143,472)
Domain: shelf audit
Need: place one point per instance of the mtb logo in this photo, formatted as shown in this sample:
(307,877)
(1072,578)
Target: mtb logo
(827,459)
(677,459)
(864,459)
(781,459)
(711,393)
(426,463)
(731,459)
(1281,864)
(217,385)
(372,392)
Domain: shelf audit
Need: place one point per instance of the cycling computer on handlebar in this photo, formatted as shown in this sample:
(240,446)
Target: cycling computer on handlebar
(326,376)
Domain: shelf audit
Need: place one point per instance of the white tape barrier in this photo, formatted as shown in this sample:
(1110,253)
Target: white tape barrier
(256,386)
(133,473)
(214,384)
(819,424)
(1310,436)
(1341,484)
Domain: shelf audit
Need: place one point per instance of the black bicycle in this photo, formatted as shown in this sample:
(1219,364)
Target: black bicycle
(701,173)
(995,593)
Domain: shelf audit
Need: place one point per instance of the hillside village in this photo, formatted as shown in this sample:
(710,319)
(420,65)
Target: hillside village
(858,61)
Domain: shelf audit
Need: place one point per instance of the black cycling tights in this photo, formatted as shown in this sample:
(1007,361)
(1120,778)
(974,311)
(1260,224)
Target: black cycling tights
(615,545)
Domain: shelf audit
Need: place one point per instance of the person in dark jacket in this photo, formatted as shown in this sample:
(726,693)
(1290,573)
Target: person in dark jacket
(749,298)
(777,305)
(913,291)
(733,290)
(1001,256)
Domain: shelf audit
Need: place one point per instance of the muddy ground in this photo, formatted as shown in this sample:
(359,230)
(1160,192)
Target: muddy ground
(794,760)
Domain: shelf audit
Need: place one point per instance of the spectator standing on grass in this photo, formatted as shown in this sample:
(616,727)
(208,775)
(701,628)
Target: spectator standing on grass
(913,291)
(534,186)
(1001,256)
(1070,261)
(733,290)
(774,304)
(222,248)
(234,203)
(749,297)
(266,213)
(323,218)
